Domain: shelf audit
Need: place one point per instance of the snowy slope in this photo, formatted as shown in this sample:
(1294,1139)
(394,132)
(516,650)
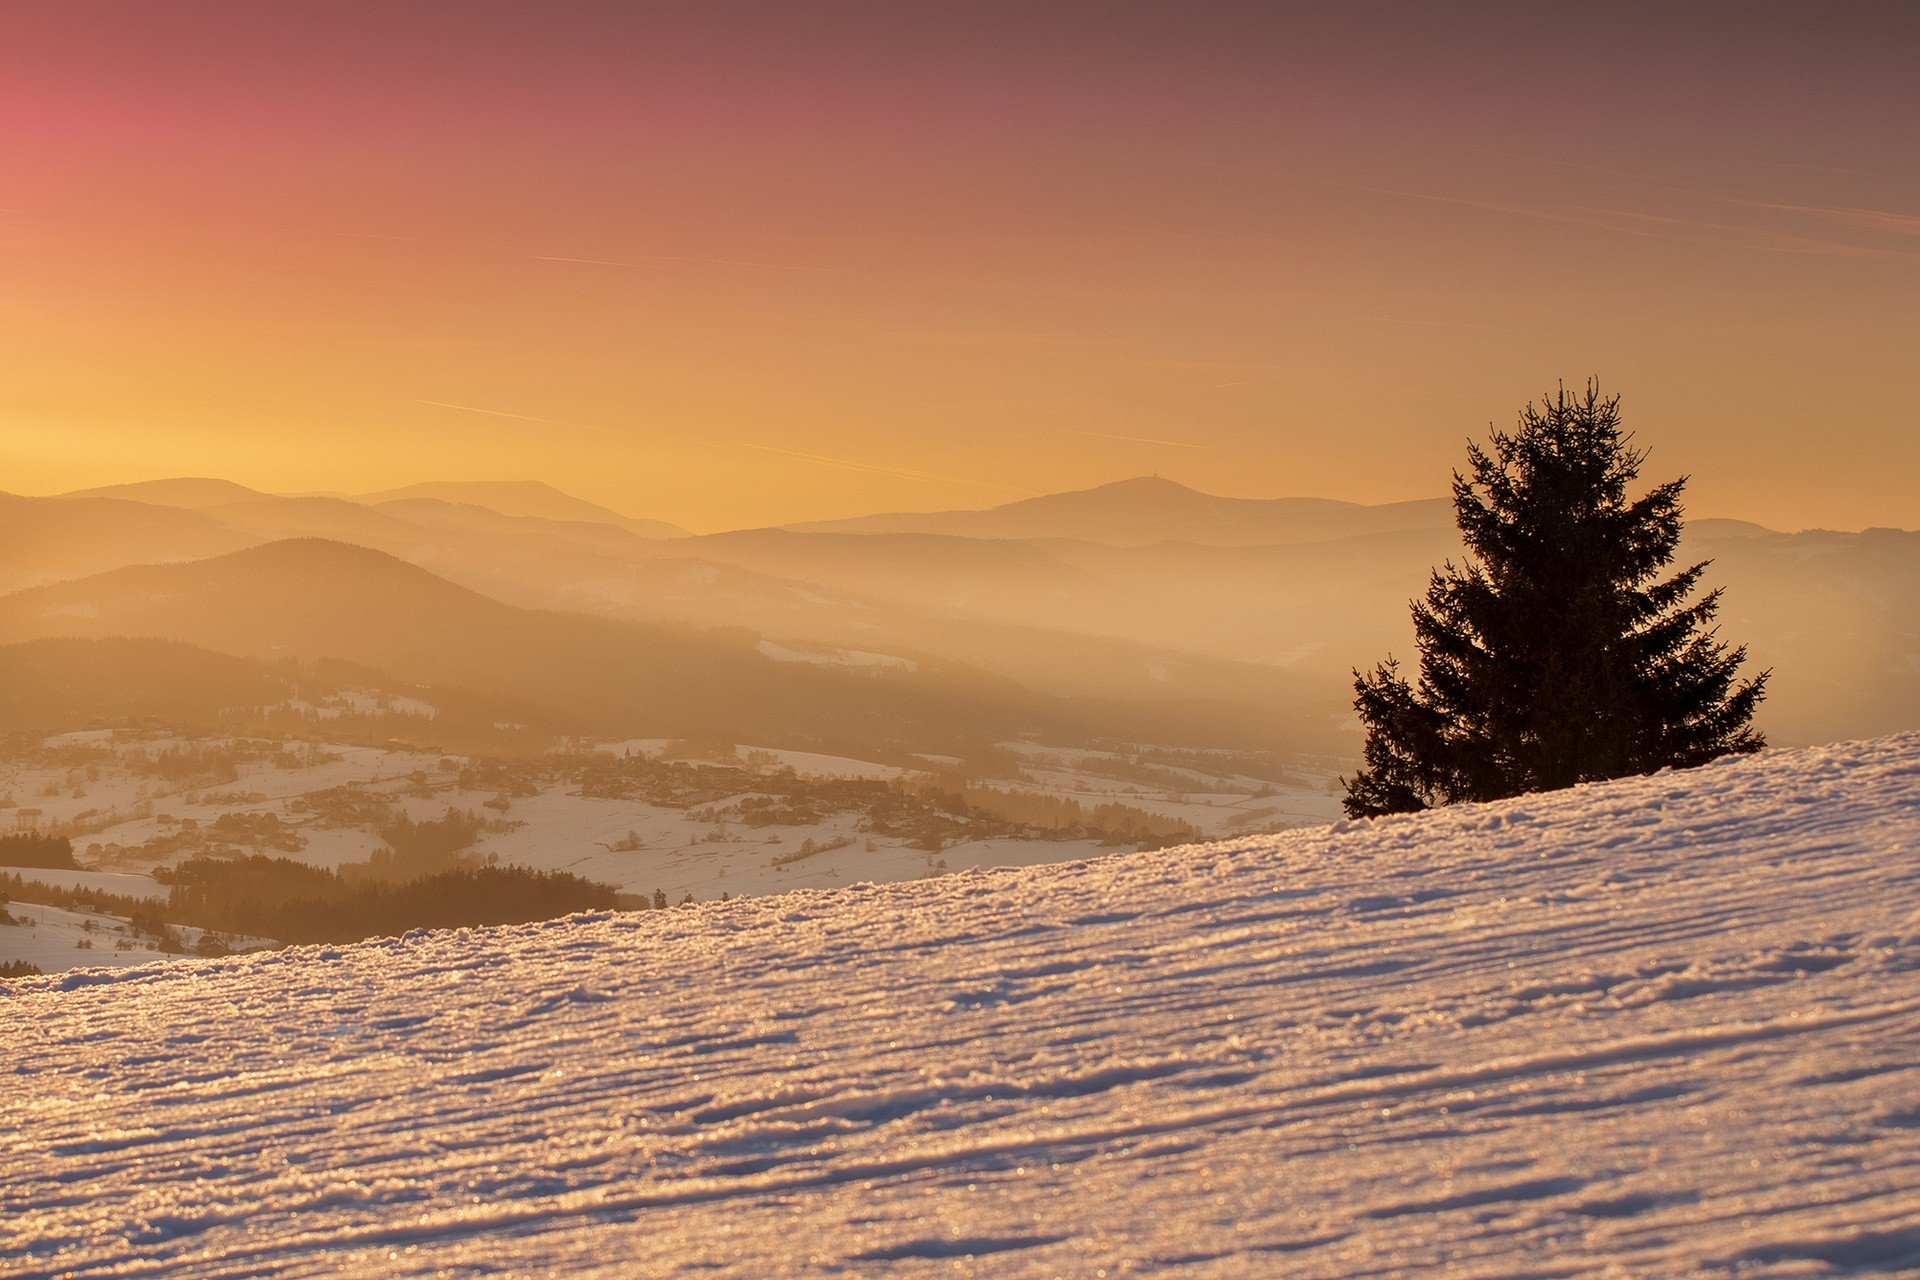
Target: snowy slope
(1669,1027)
(51,939)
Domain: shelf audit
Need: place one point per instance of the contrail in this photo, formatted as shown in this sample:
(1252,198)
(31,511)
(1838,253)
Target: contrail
(1901,224)
(1650,178)
(598,262)
(1905,224)
(1173,444)
(523,417)
(654,259)
(849,465)
(1653,226)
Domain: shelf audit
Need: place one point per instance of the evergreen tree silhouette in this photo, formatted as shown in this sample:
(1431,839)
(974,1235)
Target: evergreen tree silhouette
(1557,654)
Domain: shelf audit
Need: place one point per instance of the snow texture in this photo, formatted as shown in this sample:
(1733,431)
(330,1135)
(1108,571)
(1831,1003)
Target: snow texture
(1666,1027)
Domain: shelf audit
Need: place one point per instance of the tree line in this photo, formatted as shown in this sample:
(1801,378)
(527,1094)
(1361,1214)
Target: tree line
(295,902)
(41,852)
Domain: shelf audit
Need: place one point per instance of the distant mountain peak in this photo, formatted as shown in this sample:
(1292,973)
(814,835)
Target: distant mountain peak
(1135,487)
(1155,482)
(316,560)
(193,492)
(1151,509)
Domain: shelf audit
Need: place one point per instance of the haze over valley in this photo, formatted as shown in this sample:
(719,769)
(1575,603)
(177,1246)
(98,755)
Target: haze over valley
(1206,621)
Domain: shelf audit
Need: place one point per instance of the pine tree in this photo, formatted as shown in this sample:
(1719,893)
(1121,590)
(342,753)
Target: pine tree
(1557,654)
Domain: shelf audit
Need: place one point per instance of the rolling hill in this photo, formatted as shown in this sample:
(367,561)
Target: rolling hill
(523,498)
(276,518)
(443,517)
(60,683)
(1661,1027)
(925,600)
(49,539)
(192,492)
(314,599)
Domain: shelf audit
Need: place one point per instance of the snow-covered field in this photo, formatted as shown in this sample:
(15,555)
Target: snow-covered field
(126,816)
(52,939)
(1667,1027)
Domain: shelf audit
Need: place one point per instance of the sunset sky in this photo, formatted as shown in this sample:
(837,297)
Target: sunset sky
(729,264)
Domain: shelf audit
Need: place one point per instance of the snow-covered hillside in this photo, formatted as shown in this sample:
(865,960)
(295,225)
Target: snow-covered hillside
(1669,1027)
(134,801)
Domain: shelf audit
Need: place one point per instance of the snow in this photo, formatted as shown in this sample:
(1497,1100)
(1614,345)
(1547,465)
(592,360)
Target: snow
(65,797)
(837,657)
(1664,1027)
(50,938)
(53,938)
(359,702)
(126,820)
(808,764)
(813,764)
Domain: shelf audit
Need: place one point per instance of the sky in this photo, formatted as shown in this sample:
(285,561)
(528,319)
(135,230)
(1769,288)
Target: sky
(733,264)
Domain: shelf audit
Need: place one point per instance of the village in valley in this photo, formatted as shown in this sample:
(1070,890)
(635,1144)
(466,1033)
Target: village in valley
(663,822)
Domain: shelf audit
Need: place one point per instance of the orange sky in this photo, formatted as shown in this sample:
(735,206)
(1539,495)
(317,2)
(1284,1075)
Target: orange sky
(744,263)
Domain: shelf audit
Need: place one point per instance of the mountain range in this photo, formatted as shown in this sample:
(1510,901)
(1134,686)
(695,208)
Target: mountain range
(1222,615)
